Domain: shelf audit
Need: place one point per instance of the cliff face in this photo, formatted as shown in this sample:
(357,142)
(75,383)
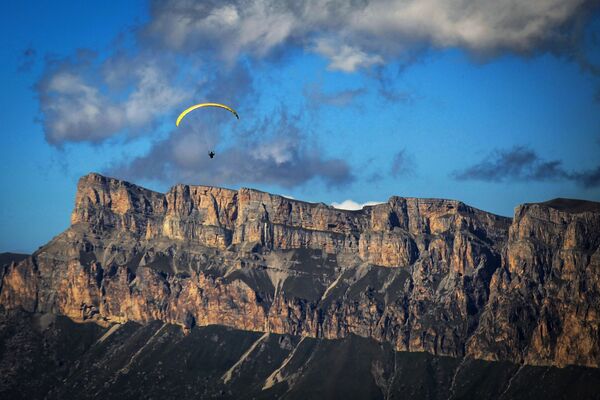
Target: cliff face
(421,274)
(545,299)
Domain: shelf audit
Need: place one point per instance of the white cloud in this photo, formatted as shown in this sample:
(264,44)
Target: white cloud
(353,205)
(76,105)
(280,150)
(152,95)
(359,34)
(73,108)
(345,58)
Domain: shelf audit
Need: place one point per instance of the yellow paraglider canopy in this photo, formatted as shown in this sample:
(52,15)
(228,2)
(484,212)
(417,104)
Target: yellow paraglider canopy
(192,108)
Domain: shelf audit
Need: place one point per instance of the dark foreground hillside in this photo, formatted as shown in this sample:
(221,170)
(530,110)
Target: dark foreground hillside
(48,356)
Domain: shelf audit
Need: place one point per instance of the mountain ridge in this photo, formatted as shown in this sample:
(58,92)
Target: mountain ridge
(108,179)
(429,275)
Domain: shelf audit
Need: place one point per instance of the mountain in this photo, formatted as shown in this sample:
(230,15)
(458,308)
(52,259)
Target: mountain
(272,292)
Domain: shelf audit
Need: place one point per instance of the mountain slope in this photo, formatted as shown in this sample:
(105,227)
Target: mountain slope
(55,358)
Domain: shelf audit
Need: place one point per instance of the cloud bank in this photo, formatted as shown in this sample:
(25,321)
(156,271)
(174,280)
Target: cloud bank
(190,49)
(360,33)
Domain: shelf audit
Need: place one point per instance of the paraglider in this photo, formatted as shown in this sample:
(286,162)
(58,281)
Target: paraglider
(192,108)
(211,153)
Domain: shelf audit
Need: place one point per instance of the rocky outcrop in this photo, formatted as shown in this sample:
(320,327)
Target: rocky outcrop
(422,274)
(545,299)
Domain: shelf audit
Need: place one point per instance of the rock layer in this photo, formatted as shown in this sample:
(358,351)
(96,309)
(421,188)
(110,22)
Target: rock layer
(422,274)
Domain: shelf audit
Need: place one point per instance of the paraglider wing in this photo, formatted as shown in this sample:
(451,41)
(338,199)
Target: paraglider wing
(192,108)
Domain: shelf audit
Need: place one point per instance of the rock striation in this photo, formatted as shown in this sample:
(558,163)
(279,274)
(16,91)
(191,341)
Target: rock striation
(420,274)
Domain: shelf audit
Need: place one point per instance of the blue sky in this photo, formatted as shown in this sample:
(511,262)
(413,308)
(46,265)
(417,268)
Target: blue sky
(495,104)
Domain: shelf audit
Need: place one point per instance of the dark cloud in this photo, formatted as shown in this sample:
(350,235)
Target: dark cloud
(523,164)
(232,85)
(374,177)
(280,155)
(316,96)
(402,164)
(518,163)
(588,179)
(27,59)
(394,96)
(386,85)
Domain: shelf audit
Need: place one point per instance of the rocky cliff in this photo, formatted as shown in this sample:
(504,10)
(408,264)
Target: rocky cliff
(420,274)
(545,299)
